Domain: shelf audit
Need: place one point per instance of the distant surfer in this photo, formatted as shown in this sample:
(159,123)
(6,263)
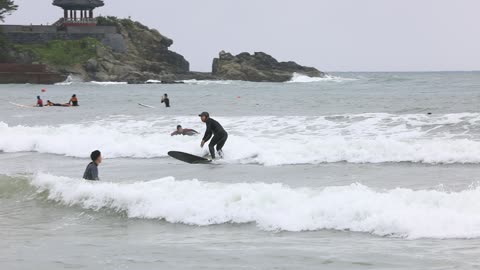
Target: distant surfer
(73,101)
(51,104)
(184,131)
(214,128)
(39,102)
(166,100)
(91,172)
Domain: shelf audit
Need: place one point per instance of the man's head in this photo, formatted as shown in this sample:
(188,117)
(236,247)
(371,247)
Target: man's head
(74,95)
(96,157)
(179,128)
(204,116)
(165,95)
(38,97)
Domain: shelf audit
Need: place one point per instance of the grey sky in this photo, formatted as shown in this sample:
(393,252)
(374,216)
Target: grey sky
(332,35)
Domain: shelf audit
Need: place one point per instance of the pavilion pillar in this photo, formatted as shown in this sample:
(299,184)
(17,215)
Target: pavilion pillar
(75,15)
(65,14)
(71,14)
(91,13)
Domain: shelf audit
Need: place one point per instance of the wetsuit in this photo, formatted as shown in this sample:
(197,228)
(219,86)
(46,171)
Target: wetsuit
(74,102)
(167,102)
(39,103)
(220,136)
(91,172)
(185,132)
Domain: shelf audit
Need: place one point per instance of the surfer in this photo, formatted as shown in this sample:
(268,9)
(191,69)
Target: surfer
(214,128)
(184,131)
(39,102)
(166,100)
(91,172)
(51,104)
(73,101)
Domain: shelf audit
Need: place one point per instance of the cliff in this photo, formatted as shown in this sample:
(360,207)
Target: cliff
(124,50)
(146,55)
(258,67)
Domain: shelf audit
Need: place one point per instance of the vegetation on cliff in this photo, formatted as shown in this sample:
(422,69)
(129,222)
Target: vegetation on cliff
(60,53)
(6,8)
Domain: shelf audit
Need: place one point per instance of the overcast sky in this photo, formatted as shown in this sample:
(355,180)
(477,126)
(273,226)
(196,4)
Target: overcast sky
(332,35)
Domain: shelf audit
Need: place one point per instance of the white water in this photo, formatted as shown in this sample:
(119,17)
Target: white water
(364,138)
(396,212)
(300,78)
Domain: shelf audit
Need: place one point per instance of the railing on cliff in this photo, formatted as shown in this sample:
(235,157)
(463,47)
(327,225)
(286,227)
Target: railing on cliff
(84,21)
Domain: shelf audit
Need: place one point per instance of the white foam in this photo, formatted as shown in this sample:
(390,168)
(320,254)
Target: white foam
(300,78)
(396,212)
(364,138)
(208,82)
(108,83)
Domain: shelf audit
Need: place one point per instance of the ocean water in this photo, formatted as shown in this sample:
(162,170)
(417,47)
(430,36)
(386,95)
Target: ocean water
(353,171)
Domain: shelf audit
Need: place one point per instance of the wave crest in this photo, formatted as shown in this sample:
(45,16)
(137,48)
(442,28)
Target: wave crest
(396,212)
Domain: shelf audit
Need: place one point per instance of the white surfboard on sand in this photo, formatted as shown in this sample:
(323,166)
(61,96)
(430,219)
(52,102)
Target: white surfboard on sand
(22,106)
(146,106)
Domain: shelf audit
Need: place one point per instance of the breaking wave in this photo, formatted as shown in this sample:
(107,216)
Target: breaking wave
(396,212)
(363,138)
(300,78)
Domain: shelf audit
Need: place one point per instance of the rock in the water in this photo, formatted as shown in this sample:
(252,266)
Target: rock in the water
(259,67)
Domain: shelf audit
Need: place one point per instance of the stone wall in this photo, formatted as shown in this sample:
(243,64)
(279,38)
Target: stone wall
(37,34)
(34,74)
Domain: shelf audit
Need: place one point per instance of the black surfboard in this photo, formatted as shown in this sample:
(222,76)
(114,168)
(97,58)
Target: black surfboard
(188,158)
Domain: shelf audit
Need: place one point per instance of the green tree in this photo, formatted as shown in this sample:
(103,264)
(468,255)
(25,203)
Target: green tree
(6,8)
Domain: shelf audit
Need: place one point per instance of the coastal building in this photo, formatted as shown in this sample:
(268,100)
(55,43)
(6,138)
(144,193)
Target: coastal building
(78,12)
(77,23)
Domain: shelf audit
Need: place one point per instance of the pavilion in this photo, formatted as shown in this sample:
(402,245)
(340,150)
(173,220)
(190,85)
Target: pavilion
(78,12)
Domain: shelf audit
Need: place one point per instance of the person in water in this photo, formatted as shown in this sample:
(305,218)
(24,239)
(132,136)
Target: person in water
(214,128)
(184,131)
(51,104)
(166,100)
(91,172)
(73,101)
(39,102)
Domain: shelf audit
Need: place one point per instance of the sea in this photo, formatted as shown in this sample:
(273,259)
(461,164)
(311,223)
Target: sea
(351,171)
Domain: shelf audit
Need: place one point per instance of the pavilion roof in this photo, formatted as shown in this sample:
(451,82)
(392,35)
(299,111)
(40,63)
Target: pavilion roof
(78,4)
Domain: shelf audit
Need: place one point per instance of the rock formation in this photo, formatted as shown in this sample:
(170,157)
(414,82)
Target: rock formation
(259,67)
(147,57)
(132,52)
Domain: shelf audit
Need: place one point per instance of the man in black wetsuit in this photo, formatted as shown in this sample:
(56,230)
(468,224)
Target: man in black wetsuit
(214,128)
(166,100)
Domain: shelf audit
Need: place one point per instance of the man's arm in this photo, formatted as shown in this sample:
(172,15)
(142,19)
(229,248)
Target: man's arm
(208,132)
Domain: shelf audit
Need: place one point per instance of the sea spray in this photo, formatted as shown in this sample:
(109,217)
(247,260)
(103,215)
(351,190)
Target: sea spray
(362,138)
(396,212)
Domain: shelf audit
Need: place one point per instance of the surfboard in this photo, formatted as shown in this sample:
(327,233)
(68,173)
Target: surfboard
(188,158)
(146,106)
(22,106)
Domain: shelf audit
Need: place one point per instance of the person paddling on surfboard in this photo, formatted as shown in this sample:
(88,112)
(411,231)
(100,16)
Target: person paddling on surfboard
(184,131)
(214,128)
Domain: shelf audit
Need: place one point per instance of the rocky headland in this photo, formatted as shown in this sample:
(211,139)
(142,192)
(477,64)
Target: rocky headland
(146,57)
